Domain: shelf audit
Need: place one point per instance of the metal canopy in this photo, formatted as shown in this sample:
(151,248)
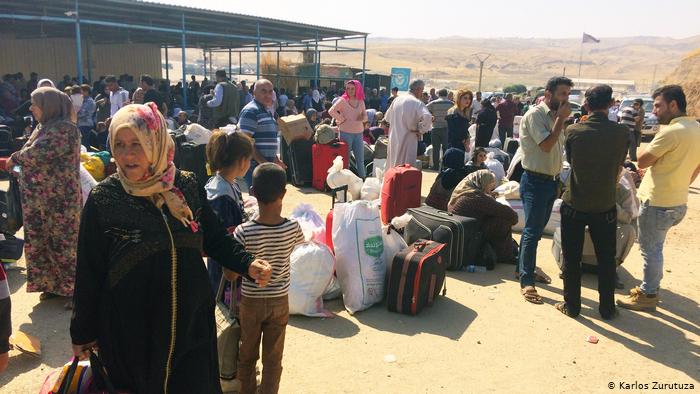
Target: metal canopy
(119,21)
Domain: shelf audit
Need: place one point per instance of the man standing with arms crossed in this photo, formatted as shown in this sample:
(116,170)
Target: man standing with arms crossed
(673,159)
(596,150)
(542,142)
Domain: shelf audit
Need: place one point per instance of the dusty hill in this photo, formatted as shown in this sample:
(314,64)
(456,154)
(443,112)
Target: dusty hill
(449,61)
(531,61)
(687,74)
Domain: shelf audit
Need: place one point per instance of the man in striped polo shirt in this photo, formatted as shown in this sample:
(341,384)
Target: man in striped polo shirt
(258,121)
(629,116)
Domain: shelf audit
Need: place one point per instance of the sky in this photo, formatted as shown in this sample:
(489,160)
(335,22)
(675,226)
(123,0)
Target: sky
(480,19)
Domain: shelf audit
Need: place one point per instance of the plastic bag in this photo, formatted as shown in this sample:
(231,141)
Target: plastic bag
(393,240)
(94,165)
(333,290)
(197,134)
(312,225)
(87,182)
(337,177)
(251,208)
(371,189)
(311,271)
(429,153)
(359,250)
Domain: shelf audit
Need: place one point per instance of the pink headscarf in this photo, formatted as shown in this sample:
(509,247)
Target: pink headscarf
(359,92)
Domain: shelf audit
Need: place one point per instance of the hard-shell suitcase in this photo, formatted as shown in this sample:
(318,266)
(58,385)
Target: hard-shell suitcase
(322,159)
(416,276)
(461,235)
(400,191)
(300,158)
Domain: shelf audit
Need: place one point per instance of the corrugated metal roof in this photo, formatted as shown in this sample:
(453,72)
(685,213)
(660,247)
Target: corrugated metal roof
(119,21)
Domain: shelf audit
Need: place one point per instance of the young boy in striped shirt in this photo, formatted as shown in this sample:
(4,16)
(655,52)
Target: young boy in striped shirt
(264,311)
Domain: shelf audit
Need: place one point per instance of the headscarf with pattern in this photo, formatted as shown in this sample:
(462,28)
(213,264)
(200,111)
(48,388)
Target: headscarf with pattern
(474,183)
(55,107)
(157,184)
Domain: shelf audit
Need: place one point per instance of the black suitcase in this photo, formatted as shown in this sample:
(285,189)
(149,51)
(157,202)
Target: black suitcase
(461,235)
(416,276)
(511,146)
(193,158)
(381,147)
(300,158)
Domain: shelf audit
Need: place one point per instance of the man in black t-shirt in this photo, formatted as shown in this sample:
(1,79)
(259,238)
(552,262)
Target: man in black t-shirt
(148,85)
(596,149)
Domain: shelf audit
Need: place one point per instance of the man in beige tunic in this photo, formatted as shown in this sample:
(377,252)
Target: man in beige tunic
(408,120)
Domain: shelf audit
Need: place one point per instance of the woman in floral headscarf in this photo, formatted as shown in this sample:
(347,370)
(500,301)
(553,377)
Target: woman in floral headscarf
(472,198)
(51,198)
(142,292)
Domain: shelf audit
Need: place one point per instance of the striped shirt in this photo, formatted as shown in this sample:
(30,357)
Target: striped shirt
(438,108)
(628,117)
(261,126)
(273,244)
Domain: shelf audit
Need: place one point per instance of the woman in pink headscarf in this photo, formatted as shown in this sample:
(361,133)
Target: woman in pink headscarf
(350,115)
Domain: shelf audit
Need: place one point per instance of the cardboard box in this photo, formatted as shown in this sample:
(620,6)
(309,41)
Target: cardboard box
(295,127)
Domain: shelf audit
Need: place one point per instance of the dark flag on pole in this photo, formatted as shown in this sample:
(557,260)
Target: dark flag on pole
(587,38)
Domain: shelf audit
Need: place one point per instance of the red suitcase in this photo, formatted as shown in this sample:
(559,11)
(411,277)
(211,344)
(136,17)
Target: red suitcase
(417,274)
(329,217)
(322,156)
(401,190)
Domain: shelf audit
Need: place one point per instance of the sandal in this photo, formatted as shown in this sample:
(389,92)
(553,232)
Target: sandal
(530,295)
(561,307)
(47,296)
(541,277)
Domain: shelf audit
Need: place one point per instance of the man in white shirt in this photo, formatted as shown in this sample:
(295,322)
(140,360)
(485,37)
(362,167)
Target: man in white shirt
(118,97)
(408,119)
(476,105)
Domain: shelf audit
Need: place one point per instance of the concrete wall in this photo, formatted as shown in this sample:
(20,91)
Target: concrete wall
(55,57)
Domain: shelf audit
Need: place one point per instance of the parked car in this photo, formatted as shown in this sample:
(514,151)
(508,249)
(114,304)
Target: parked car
(651,123)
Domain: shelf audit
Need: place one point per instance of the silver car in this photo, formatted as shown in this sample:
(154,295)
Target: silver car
(651,122)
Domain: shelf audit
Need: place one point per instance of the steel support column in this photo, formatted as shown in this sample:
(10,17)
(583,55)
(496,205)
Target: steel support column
(184,62)
(78,44)
(257,46)
(364,61)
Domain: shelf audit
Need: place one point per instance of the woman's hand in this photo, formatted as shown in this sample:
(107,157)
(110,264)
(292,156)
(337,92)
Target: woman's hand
(260,271)
(9,164)
(81,352)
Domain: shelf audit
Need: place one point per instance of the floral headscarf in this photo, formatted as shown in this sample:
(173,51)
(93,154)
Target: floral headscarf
(474,183)
(149,126)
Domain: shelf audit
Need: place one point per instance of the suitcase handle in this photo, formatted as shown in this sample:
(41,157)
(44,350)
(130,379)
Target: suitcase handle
(418,246)
(335,192)
(445,213)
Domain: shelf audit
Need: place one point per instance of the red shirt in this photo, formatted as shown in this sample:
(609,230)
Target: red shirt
(507,111)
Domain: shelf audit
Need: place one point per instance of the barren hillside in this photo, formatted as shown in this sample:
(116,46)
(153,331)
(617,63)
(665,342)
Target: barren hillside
(687,74)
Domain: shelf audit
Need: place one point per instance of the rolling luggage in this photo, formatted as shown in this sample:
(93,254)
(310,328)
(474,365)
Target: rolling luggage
(461,235)
(417,274)
(401,190)
(193,158)
(329,217)
(381,147)
(510,146)
(322,157)
(300,152)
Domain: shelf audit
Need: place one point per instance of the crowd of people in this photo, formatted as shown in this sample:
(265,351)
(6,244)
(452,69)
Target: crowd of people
(130,261)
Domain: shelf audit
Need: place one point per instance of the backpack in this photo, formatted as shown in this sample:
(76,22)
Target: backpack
(325,134)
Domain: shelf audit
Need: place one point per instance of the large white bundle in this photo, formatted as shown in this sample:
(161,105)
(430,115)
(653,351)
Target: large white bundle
(359,250)
(311,271)
(311,223)
(553,223)
(371,189)
(338,176)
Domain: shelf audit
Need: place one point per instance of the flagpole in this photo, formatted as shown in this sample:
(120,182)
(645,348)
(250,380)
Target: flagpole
(580,59)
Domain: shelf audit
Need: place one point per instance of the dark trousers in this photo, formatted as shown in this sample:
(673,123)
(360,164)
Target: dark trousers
(483,136)
(503,132)
(85,136)
(603,230)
